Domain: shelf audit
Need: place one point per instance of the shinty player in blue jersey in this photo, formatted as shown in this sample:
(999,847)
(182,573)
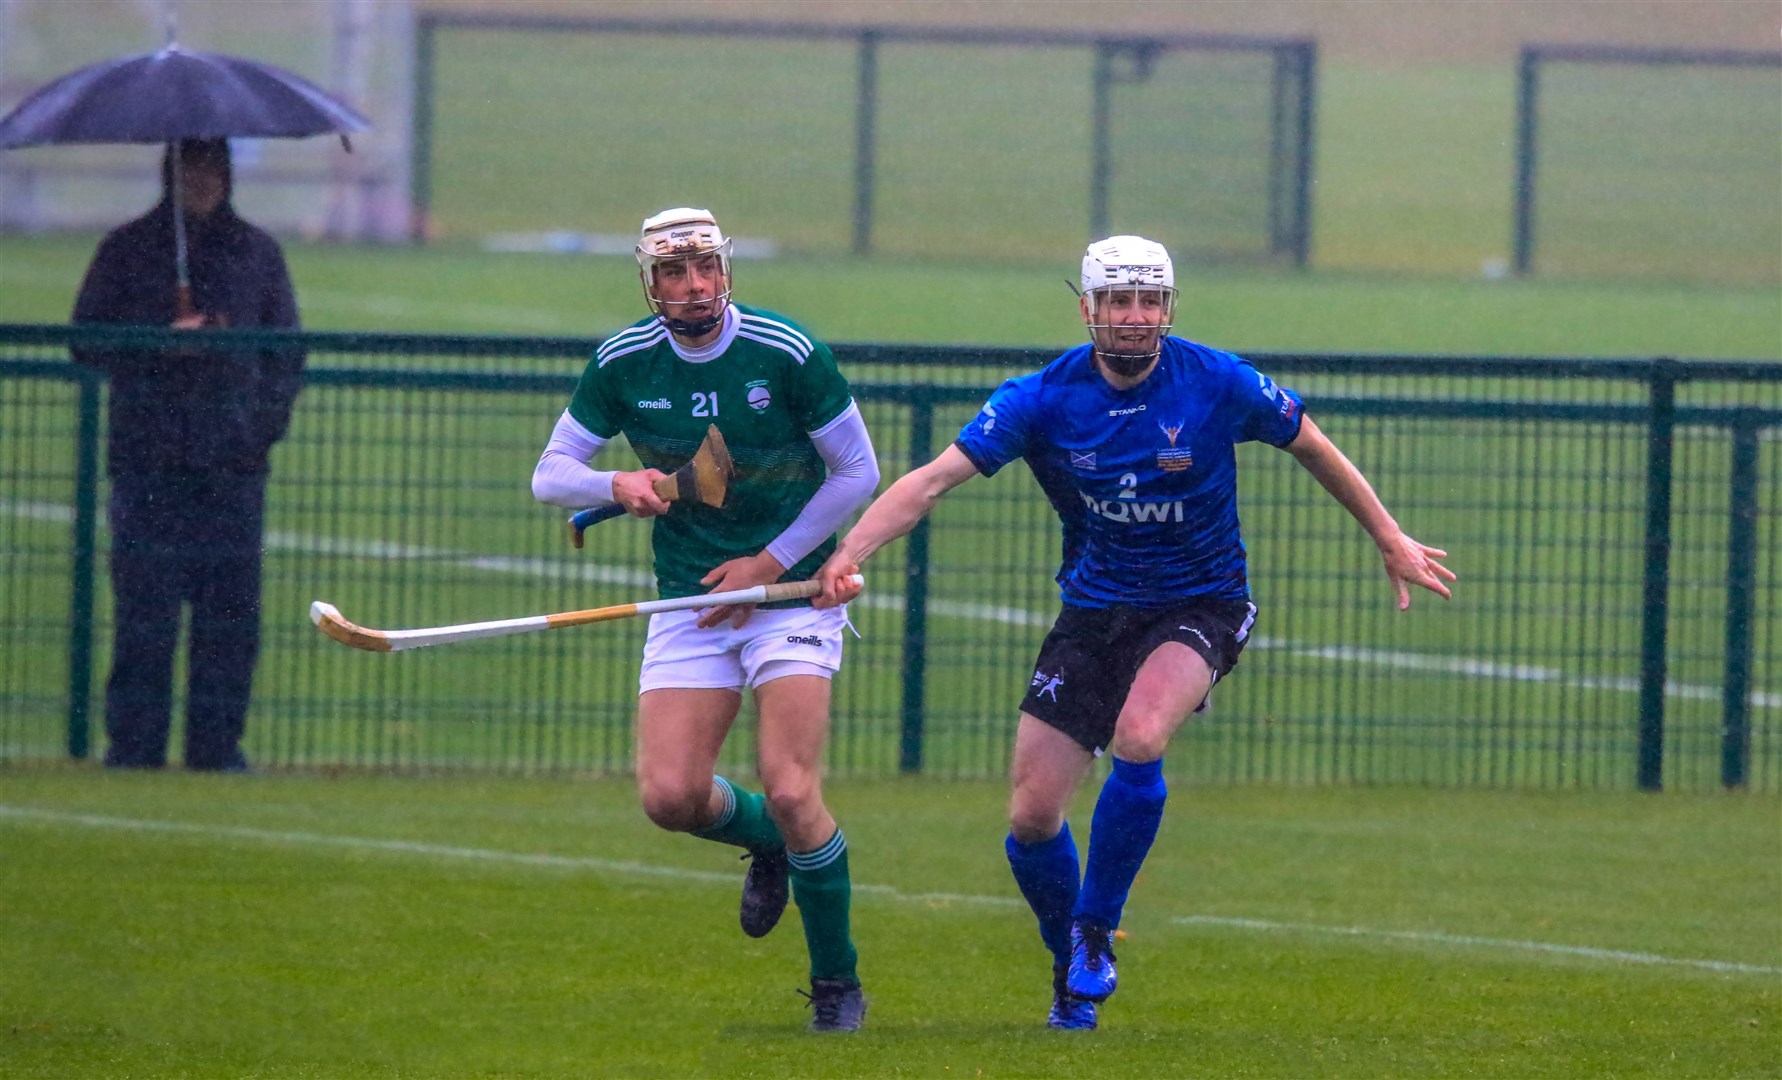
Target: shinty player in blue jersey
(1132,437)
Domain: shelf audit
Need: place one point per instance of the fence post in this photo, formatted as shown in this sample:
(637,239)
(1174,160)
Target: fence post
(866,108)
(1660,444)
(86,529)
(915,613)
(1741,582)
(1527,90)
(1302,180)
(1289,196)
(420,151)
(1100,165)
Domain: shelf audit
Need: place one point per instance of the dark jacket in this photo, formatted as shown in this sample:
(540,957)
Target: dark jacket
(201,412)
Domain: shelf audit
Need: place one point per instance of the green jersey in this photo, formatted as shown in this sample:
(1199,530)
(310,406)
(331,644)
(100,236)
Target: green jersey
(768,388)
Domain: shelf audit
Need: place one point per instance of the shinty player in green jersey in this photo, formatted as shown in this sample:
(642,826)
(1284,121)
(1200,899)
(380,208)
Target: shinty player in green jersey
(803,462)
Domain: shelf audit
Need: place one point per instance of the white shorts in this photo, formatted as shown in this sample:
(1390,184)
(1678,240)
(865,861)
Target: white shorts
(772,644)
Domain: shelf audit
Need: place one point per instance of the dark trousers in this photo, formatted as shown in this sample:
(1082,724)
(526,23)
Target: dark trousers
(180,540)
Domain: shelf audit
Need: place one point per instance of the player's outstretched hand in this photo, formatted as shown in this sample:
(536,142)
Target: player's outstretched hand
(840,585)
(1411,563)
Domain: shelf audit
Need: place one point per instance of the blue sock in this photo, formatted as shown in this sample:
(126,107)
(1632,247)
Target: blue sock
(1120,834)
(1048,876)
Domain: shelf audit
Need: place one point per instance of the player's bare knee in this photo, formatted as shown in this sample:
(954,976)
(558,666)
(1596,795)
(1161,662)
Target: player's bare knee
(1141,742)
(793,795)
(1034,820)
(1034,828)
(675,807)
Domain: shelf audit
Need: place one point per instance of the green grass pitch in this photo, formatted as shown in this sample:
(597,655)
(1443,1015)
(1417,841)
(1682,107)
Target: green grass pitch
(321,925)
(316,926)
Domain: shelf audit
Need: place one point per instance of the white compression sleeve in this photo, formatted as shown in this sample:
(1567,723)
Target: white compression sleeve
(846,449)
(563,477)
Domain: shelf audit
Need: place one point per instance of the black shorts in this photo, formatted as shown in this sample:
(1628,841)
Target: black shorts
(1087,663)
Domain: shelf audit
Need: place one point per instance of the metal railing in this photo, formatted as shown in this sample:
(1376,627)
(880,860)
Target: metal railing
(1648,162)
(1614,522)
(1240,114)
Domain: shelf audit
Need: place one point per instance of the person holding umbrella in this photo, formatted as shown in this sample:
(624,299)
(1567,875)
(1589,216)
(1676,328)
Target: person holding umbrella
(191,428)
(190,436)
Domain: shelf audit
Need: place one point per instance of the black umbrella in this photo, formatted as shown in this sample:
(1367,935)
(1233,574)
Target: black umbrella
(172,95)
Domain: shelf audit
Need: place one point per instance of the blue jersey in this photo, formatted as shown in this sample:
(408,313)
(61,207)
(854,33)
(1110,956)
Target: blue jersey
(1144,479)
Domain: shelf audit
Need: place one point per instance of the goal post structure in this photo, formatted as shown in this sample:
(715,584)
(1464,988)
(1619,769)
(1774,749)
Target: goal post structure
(896,140)
(359,50)
(1634,162)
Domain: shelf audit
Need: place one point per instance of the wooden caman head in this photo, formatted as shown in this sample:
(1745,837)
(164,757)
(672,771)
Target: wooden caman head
(706,478)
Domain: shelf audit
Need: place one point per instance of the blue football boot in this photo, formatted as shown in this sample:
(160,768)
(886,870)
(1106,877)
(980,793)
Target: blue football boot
(765,891)
(1091,961)
(836,1005)
(1069,1012)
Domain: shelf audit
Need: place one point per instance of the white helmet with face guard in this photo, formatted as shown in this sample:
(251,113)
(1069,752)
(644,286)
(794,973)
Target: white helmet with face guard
(675,241)
(1129,301)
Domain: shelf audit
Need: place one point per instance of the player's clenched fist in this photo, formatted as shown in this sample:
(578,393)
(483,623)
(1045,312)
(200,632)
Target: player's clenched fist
(840,581)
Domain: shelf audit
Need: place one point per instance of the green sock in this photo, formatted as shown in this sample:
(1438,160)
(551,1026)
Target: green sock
(821,887)
(744,822)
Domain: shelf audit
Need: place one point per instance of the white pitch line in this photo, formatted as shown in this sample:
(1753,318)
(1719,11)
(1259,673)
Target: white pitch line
(890,892)
(449,851)
(558,569)
(1433,937)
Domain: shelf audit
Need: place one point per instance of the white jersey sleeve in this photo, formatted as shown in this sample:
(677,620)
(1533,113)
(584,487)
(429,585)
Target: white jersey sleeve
(563,477)
(853,475)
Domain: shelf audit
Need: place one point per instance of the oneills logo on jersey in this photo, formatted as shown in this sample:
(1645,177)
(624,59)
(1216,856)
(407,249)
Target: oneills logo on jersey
(1175,458)
(659,403)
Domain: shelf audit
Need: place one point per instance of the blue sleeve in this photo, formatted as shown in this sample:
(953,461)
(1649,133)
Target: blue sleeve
(998,434)
(1264,410)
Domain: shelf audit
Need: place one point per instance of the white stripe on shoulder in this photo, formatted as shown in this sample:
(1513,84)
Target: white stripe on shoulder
(629,341)
(631,333)
(786,328)
(775,328)
(779,343)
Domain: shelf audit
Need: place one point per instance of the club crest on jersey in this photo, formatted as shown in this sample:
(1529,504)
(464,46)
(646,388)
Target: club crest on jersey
(759,397)
(1175,458)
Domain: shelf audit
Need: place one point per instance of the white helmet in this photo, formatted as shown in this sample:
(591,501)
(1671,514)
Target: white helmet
(675,236)
(1116,271)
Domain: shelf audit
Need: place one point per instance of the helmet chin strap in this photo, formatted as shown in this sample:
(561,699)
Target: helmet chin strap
(696,327)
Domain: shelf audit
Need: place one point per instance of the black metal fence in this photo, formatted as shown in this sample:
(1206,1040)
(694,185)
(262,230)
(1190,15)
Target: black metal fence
(1615,525)
(1661,163)
(962,140)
